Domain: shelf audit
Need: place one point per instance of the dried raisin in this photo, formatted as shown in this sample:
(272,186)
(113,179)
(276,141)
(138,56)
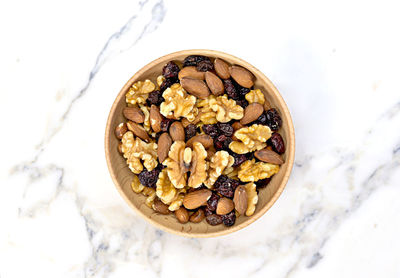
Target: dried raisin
(170,70)
(229,219)
(214,219)
(277,143)
(274,121)
(205,65)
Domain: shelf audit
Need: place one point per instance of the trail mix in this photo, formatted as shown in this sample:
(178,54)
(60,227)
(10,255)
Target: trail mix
(201,140)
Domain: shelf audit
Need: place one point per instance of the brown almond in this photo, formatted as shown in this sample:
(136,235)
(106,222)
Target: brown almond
(267,105)
(240,199)
(221,68)
(191,72)
(214,83)
(251,113)
(163,145)
(237,125)
(224,206)
(120,130)
(155,118)
(242,76)
(198,216)
(196,87)
(134,114)
(177,131)
(185,122)
(160,207)
(120,147)
(269,156)
(182,215)
(196,198)
(138,130)
(204,139)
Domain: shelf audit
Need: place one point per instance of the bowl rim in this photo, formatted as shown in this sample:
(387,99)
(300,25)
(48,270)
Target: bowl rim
(289,147)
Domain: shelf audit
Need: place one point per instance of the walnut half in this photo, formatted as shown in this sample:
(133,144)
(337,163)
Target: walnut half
(226,109)
(139,92)
(219,162)
(254,171)
(252,138)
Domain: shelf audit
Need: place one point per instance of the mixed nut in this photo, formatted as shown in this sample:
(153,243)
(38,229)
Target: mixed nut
(201,141)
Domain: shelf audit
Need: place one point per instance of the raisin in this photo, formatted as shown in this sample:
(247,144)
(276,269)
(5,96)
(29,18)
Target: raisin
(262,183)
(226,186)
(190,131)
(155,98)
(230,89)
(149,178)
(274,121)
(168,82)
(277,143)
(242,91)
(243,103)
(165,123)
(205,65)
(239,159)
(229,218)
(212,202)
(170,70)
(222,142)
(225,129)
(214,219)
(211,130)
(193,60)
(207,212)
(262,119)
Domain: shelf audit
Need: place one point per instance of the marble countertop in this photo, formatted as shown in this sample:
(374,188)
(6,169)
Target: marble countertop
(335,63)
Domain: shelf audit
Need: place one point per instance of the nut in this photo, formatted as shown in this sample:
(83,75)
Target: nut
(237,125)
(195,87)
(164,145)
(160,80)
(177,202)
(218,163)
(160,207)
(155,118)
(242,76)
(255,96)
(177,131)
(134,114)
(178,103)
(198,216)
(138,130)
(240,199)
(120,147)
(226,109)
(176,169)
(182,215)
(221,68)
(269,156)
(204,139)
(139,92)
(151,196)
(191,72)
(137,187)
(252,198)
(214,83)
(120,130)
(254,171)
(196,198)
(165,190)
(146,122)
(224,206)
(198,169)
(252,138)
(251,113)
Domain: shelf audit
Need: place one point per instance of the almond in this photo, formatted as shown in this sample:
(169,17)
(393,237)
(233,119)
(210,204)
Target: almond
(120,130)
(267,105)
(237,125)
(134,114)
(240,199)
(196,198)
(269,156)
(221,68)
(138,130)
(214,83)
(196,87)
(120,147)
(155,118)
(191,72)
(163,145)
(204,139)
(242,76)
(177,131)
(251,113)
(224,206)
(185,122)
(182,215)
(160,207)
(198,216)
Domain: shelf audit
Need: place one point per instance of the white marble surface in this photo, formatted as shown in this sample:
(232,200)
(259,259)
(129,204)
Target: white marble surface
(336,64)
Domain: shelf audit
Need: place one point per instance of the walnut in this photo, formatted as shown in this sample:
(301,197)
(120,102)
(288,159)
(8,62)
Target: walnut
(146,112)
(165,190)
(178,201)
(254,171)
(150,193)
(226,109)
(139,92)
(252,138)
(160,80)
(135,150)
(178,103)
(255,96)
(182,159)
(252,198)
(231,173)
(137,187)
(219,162)
(206,114)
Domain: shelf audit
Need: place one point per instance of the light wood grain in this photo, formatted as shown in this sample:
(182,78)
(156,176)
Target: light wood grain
(122,176)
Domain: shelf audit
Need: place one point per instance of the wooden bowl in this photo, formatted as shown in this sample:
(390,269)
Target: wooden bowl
(122,176)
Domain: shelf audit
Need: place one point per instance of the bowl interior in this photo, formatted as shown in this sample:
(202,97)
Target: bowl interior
(122,176)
